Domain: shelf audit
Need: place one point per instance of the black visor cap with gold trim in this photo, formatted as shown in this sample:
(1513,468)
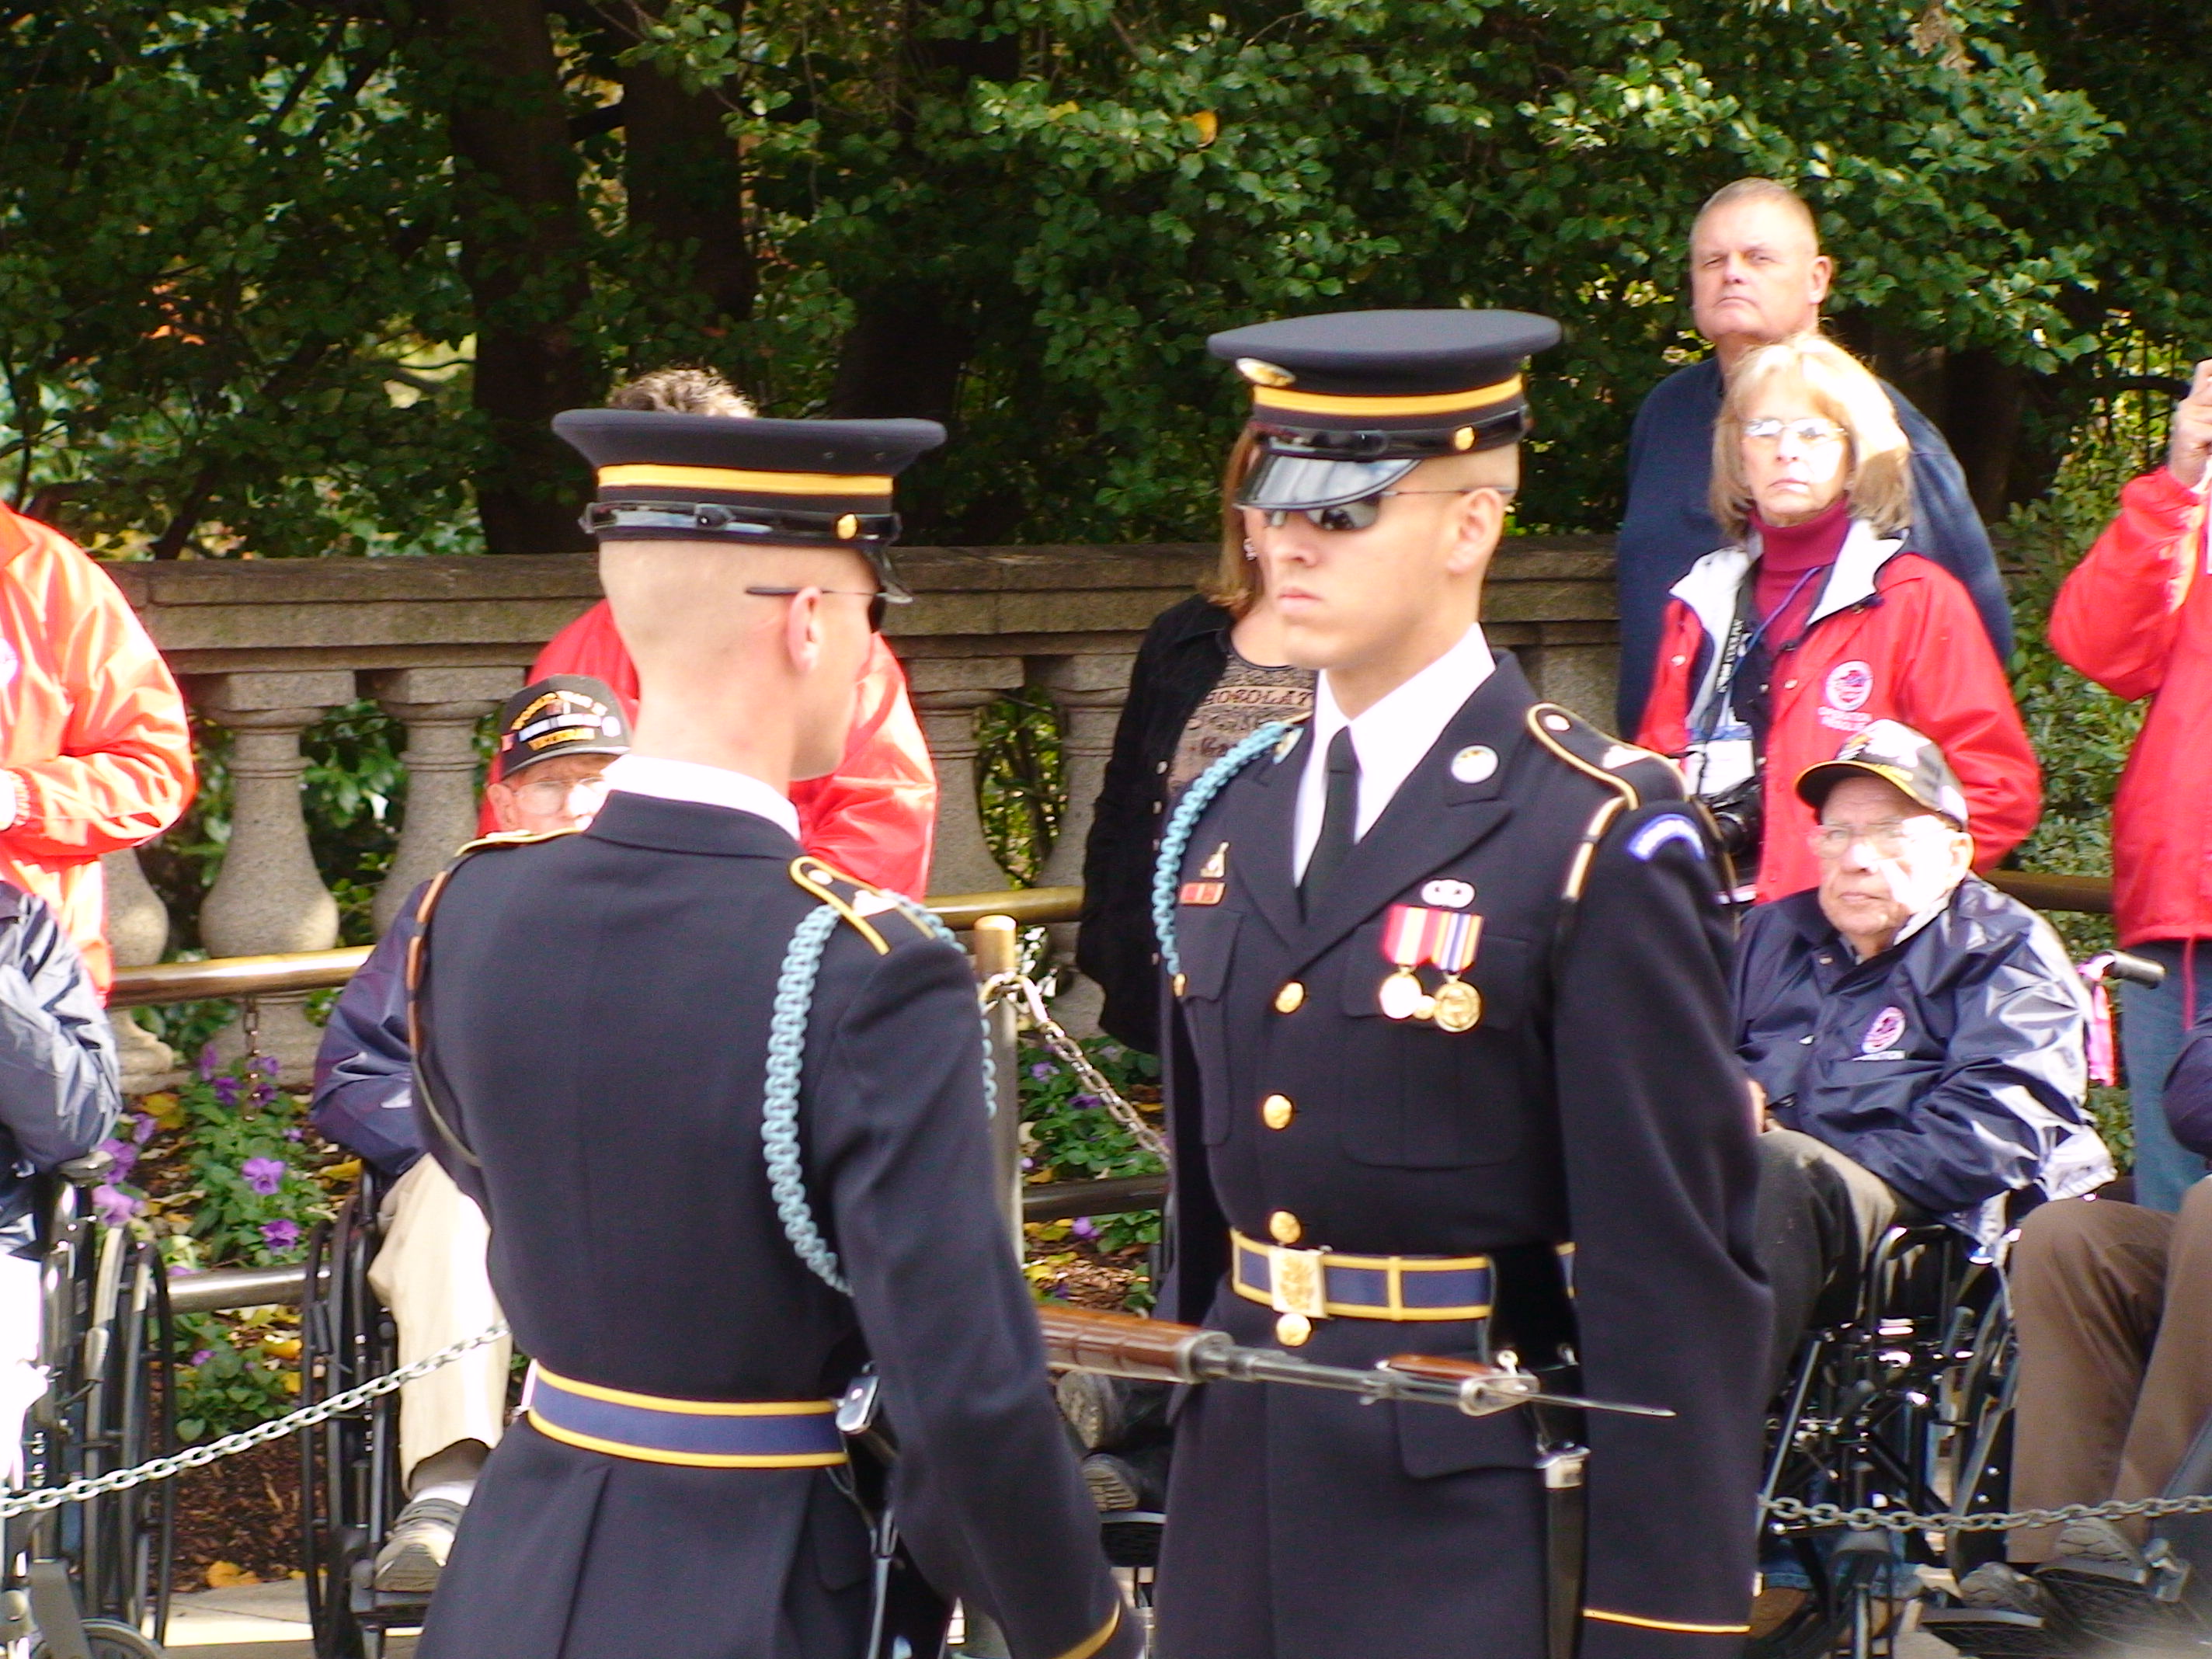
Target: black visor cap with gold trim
(1346,405)
(748,482)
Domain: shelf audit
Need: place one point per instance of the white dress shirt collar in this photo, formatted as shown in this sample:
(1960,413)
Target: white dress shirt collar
(706,786)
(1389,738)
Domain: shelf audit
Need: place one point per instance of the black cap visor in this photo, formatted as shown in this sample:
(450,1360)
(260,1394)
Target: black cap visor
(1281,483)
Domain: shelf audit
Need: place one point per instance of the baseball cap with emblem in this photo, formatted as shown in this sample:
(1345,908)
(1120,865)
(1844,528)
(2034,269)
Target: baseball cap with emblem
(1899,757)
(561,714)
(1346,405)
(747,481)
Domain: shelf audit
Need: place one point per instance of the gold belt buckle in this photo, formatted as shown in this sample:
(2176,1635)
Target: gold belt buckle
(1296,1282)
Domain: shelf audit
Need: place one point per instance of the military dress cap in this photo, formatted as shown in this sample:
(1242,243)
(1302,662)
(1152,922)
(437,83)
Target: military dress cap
(560,714)
(1346,405)
(665,477)
(1900,757)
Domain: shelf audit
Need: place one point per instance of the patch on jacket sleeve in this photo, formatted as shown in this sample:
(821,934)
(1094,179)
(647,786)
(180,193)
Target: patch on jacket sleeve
(1646,842)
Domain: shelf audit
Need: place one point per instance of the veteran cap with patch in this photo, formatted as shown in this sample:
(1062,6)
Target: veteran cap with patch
(1899,757)
(1346,405)
(560,714)
(746,481)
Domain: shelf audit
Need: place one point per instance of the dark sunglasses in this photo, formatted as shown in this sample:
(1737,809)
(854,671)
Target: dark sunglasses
(1362,514)
(878,601)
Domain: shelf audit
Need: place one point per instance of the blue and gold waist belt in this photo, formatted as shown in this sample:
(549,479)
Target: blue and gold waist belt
(699,1434)
(1323,1285)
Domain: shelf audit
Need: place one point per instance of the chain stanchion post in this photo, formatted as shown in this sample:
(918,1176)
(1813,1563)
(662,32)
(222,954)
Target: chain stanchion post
(997,950)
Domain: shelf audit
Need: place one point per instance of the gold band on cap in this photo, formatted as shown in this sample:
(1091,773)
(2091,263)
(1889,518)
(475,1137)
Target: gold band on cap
(1440,403)
(721,477)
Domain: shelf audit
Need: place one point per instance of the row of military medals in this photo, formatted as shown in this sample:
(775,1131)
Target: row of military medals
(1412,937)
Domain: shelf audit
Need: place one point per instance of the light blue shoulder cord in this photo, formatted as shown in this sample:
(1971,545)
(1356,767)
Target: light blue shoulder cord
(1167,871)
(787,1059)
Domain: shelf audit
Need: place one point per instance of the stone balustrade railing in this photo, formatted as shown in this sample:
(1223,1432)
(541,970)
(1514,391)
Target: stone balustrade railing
(267,648)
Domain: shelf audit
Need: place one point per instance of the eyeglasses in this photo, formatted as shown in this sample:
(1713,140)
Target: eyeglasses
(1885,837)
(878,599)
(1362,514)
(1806,435)
(551,794)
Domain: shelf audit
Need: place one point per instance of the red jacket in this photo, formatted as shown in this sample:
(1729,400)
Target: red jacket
(1893,636)
(95,748)
(2136,617)
(874,818)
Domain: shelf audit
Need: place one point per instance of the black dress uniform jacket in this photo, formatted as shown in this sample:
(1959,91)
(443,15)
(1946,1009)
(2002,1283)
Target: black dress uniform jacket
(596,1011)
(1597,1104)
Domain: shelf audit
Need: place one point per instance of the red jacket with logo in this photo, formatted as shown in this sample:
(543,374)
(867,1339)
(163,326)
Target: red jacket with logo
(1891,636)
(874,818)
(2136,617)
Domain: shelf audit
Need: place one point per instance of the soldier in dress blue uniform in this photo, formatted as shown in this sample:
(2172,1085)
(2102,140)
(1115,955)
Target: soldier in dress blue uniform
(1455,1076)
(725,1111)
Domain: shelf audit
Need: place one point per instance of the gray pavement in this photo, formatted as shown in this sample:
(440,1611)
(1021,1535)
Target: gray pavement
(252,1621)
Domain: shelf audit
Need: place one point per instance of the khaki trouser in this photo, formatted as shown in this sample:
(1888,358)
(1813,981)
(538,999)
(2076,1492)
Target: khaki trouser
(431,1274)
(2114,1307)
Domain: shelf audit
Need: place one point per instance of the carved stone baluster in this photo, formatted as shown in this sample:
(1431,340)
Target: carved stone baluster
(947,692)
(440,707)
(1089,692)
(137,929)
(268,897)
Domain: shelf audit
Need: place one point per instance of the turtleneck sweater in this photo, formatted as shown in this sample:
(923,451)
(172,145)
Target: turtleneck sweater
(1787,557)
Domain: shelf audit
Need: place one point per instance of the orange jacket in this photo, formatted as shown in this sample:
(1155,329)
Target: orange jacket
(1893,636)
(874,818)
(2136,617)
(95,752)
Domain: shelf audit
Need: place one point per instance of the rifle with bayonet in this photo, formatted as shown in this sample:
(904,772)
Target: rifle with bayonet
(1156,1350)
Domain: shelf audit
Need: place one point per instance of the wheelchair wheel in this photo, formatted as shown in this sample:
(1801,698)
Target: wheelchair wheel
(351,1477)
(109,1640)
(1981,1467)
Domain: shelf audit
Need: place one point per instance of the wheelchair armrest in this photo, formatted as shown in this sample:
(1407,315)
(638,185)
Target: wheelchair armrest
(94,1167)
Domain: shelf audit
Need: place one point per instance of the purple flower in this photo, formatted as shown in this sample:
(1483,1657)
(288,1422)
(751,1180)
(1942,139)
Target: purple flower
(264,1175)
(294,1135)
(226,1091)
(280,1234)
(266,1064)
(1029,1163)
(1084,1100)
(203,1356)
(113,1206)
(207,1062)
(1041,1070)
(124,1154)
(1084,1227)
(143,1125)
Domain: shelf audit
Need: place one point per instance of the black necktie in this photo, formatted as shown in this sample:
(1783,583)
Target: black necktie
(1337,818)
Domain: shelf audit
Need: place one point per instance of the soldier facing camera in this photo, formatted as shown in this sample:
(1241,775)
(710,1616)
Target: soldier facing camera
(762,1186)
(1453,1074)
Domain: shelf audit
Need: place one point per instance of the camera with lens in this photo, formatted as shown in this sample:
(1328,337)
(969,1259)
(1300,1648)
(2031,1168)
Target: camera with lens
(1739,814)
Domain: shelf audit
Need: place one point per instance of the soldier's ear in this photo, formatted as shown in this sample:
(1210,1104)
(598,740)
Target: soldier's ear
(1477,521)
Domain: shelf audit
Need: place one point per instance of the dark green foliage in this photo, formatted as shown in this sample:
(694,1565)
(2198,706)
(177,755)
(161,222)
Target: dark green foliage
(1022,790)
(1073,1137)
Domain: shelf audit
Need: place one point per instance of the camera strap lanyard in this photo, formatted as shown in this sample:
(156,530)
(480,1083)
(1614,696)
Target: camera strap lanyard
(1727,745)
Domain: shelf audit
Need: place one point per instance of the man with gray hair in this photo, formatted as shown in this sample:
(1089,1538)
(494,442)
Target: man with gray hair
(1757,275)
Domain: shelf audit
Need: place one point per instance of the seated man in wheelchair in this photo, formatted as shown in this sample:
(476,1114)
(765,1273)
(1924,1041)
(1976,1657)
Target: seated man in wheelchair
(58,1101)
(1920,1037)
(558,737)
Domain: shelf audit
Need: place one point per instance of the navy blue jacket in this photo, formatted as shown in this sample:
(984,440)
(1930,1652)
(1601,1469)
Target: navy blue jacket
(2188,1097)
(365,1070)
(1668,527)
(1951,1064)
(58,1095)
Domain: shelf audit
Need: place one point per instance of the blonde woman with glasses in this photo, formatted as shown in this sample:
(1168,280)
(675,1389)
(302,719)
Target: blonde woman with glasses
(1817,619)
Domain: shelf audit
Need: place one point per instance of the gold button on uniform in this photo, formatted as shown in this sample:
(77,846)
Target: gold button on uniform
(1292,1330)
(1276,1112)
(1179,983)
(1290,998)
(1285,1227)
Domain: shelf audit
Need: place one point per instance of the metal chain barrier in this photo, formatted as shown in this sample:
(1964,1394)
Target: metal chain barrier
(195,1457)
(1813,1516)
(1030,997)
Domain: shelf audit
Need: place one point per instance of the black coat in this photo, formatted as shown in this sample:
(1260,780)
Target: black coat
(364,1095)
(597,1010)
(1597,1102)
(1180,661)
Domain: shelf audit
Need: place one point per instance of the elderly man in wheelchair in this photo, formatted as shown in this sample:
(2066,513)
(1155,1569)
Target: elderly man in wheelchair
(1917,1041)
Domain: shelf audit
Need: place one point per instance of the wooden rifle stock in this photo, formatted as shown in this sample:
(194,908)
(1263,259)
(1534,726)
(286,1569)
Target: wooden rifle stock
(1122,1344)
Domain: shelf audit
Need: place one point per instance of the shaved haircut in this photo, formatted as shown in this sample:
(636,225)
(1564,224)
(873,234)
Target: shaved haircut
(1761,190)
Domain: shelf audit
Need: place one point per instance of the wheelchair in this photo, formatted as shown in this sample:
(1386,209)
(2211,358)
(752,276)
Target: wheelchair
(93,1578)
(351,1488)
(1907,1405)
